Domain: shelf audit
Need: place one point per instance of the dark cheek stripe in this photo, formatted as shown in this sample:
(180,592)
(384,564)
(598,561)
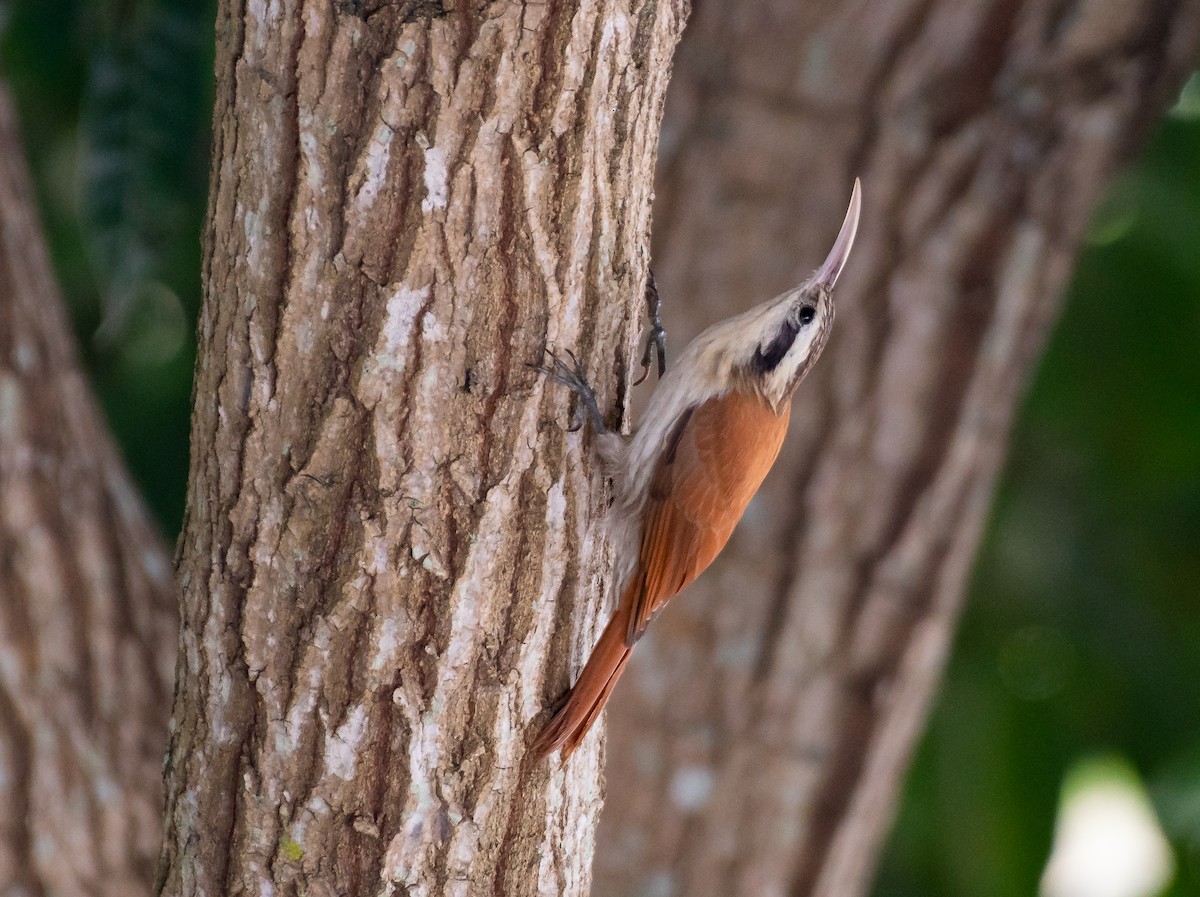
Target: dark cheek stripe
(767,359)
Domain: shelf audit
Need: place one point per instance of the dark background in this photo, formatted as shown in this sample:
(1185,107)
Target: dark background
(1081,638)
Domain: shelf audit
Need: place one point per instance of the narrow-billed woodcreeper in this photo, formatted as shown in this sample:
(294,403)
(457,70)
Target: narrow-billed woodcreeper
(710,434)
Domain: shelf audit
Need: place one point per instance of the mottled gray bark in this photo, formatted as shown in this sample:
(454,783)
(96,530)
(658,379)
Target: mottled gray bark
(87,620)
(391,561)
(760,738)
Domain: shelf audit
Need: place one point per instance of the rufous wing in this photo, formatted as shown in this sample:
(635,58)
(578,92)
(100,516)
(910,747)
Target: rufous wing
(710,469)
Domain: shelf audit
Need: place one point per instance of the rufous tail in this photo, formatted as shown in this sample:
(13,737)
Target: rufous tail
(589,694)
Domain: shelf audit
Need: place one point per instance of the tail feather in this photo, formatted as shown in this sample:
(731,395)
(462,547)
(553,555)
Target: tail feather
(589,694)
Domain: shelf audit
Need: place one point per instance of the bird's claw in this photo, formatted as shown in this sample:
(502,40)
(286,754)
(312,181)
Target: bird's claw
(571,376)
(656,340)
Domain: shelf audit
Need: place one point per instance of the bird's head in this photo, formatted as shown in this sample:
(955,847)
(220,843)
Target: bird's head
(766,350)
(790,331)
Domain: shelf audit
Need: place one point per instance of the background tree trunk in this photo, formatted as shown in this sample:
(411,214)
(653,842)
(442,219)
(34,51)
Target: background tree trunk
(87,618)
(762,735)
(391,562)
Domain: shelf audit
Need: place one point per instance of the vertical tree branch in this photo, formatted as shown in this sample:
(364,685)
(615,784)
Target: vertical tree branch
(391,561)
(87,620)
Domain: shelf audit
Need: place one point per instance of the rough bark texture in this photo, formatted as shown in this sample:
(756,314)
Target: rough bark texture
(391,561)
(87,620)
(761,736)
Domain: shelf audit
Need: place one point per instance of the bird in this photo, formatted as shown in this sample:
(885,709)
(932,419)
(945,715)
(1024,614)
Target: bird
(709,435)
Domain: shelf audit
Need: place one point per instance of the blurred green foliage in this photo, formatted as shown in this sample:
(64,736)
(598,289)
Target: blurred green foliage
(1081,634)
(115,100)
(1082,631)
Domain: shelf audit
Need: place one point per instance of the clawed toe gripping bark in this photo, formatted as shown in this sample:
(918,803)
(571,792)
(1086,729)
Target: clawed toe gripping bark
(571,376)
(656,340)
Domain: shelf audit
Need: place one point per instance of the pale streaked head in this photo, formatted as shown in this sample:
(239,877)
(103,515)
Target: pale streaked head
(767,349)
(796,325)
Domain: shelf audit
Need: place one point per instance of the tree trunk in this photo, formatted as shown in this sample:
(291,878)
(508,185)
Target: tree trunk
(769,715)
(87,619)
(391,560)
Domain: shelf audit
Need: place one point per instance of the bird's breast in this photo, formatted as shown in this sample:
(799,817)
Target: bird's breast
(733,442)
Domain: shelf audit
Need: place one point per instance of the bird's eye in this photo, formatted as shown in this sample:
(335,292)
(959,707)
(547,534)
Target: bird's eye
(807,313)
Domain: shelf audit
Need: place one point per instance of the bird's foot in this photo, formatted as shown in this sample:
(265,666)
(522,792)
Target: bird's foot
(656,340)
(571,376)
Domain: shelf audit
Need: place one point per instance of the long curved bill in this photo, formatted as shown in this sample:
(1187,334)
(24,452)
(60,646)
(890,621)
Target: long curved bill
(831,268)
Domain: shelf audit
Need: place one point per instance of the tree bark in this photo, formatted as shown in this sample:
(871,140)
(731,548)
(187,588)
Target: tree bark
(769,716)
(391,560)
(87,619)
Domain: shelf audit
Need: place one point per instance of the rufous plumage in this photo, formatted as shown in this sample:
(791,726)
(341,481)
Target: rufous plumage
(709,436)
